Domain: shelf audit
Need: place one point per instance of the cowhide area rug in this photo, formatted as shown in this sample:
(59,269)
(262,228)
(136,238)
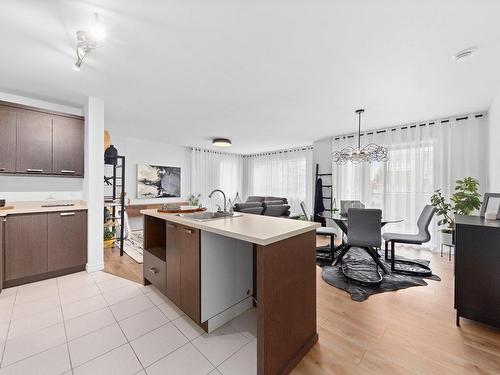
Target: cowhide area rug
(358,263)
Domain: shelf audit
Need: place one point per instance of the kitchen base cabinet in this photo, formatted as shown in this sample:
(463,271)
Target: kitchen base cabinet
(40,246)
(173,263)
(67,239)
(190,272)
(1,252)
(25,245)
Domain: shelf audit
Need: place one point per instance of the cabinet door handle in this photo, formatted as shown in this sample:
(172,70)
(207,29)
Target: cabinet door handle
(67,171)
(34,170)
(67,214)
(170,225)
(2,169)
(153,270)
(189,231)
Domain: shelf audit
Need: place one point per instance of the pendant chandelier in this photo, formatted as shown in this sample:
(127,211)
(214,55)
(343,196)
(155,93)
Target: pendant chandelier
(370,153)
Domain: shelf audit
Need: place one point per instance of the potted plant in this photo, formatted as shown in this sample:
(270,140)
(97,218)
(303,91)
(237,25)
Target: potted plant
(464,201)
(109,237)
(194,200)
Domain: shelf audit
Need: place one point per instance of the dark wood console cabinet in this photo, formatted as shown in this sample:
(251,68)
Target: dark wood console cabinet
(39,142)
(38,246)
(477,269)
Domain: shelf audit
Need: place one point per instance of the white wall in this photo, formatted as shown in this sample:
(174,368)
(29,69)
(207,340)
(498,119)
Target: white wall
(494,144)
(138,151)
(25,188)
(322,155)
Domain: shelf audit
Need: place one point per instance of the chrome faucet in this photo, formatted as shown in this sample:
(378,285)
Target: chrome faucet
(224,195)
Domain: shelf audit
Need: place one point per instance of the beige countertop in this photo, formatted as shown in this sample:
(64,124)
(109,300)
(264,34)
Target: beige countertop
(36,206)
(258,229)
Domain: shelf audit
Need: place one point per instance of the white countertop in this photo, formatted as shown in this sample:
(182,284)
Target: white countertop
(258,229)
(36,206)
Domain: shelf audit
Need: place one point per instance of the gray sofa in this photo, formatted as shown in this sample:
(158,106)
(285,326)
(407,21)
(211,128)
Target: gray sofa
(260,205)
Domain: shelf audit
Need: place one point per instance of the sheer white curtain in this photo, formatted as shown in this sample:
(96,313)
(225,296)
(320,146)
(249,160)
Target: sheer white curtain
(287,173)
(215,170)
(422,158)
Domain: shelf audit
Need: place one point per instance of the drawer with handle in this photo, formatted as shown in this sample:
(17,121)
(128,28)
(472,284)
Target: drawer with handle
(155,271)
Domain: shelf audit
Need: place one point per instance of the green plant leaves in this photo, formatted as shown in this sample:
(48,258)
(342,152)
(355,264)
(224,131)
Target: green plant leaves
(465,199)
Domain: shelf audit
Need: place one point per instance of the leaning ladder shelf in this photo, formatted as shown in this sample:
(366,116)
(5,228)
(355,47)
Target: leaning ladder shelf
(116,182)
(327,186)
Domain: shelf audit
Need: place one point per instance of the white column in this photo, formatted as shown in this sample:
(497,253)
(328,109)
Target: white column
(93,186)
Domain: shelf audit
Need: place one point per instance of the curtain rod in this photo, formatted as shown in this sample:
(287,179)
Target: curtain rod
(284,151)
(214,151)
(290,150)
(412,126)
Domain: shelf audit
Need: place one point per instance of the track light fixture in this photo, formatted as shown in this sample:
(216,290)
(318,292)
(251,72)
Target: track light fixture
(88,40)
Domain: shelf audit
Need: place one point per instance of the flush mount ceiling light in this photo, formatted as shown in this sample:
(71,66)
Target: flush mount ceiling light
(370,153)
(464,54)
(221,142)
(88,40)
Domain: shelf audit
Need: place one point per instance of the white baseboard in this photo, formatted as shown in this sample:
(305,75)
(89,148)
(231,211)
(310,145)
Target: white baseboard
(94,267)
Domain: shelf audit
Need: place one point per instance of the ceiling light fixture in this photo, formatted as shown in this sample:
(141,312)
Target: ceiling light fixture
(370,153)
(221,142)
(462,55)
(88,40)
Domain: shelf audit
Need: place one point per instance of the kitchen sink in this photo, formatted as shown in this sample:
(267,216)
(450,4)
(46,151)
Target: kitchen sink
(208,215)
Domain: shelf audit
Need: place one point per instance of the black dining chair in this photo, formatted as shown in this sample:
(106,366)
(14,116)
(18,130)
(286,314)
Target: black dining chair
(421,237)
(364,231)
(322,231)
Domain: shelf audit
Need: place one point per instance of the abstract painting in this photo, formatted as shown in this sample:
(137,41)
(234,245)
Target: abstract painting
(158,182)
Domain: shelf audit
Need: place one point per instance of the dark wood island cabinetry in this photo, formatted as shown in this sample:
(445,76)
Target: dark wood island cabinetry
(217,269)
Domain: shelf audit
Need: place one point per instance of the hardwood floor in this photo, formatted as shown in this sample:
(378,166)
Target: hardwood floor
(124,266)
(411,331)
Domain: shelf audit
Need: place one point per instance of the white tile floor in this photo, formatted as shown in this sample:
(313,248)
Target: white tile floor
(101,324)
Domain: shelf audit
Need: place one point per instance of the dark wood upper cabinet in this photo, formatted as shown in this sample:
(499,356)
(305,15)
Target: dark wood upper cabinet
(8,118)
(67,239)
(68,140)
(34,142)
(40,142)
(174,263)
(190,272)
(25,245)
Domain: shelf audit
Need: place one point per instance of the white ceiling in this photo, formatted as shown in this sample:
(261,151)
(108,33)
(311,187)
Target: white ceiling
(268,74)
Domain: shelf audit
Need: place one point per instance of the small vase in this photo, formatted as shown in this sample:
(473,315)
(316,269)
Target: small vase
(110,155)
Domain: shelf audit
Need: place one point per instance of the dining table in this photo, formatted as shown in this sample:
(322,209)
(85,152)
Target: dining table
(342,223)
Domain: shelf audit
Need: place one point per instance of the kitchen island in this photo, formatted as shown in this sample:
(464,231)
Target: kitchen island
(215,270)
